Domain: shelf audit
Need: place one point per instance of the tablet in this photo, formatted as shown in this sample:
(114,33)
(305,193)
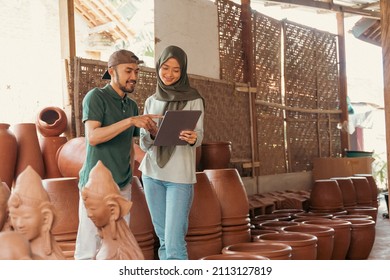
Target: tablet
(172,124)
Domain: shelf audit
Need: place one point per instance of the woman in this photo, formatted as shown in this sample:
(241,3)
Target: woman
(169,173)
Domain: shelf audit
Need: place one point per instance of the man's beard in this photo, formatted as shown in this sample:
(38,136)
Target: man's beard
(121,86)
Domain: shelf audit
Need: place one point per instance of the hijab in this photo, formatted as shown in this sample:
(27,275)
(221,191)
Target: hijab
(176,95)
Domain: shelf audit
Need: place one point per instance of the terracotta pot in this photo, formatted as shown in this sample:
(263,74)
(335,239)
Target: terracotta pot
(71,156)
(140,221)
(29,151)
(363,210)
(348,190)
(236,234)
(326,195)
(64,195)
(199,246)
(271,250)
(49,148)
(268,217)
(234,257)
(231,194)
(325,237)
(363,191)
(8,154)
(216,155)
(277,225)
(205,214)
(362,239)
(342,235)
(373,186)
(51,121)
(290,211)
(353,217)
(314,215)
(257,232)
(304,246)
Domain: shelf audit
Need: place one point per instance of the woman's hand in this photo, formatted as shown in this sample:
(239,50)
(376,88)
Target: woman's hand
(189,136)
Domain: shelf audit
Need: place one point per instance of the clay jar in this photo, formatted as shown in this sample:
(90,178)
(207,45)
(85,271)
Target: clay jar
(71,156)
(304,246)
(29,151)
(234,257)
(348,190)
(8,154)
(342,235)
(362,239)
(324,234)
(373,186)
(51,121)
(326,195)
(363,191)
(216,155)
(49,147)
(271,250)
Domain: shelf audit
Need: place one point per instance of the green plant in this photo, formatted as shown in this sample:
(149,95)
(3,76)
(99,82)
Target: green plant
(379,170)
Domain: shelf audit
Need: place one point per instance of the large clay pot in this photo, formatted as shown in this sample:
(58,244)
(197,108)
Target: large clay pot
(363,191)
(236,234)
(140,221)
(363,210)
(326,195)
(64,195)
(49,148)
(304,246)
(8,154)
(373,186)
(362,239)
(271,250)
(51,121)
(29,151)
(199,246)
(234,257)
(216,155)
(231,194)
(71,156)
(342,235)
(325,237)
(348,190)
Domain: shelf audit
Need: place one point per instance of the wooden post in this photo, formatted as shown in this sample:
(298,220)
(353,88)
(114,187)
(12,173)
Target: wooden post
(385,33)
(249,77)
(342,83)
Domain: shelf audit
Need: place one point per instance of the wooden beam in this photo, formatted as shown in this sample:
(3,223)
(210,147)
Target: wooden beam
(342,82)
(385,22)
(328,6)
(67,29)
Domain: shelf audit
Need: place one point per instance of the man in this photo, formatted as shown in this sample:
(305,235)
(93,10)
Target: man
(111,121)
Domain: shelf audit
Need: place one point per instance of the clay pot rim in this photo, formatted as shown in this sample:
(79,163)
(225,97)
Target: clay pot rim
(234,257)
(306,239)
(268,247)
(316,229)
(357,223)
(334,223)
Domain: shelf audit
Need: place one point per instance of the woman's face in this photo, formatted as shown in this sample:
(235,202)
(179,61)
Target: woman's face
(27,221)
(97,211)
(170,71)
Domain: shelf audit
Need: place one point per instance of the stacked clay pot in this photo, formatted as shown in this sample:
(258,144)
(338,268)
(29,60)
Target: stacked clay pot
(271,250)
(324,234)
(204,235)
(363,191)
(231,194)
(215,155)
(342,235)
(326,196)
(64,195)
(348,190)
(140,221)
(8,154)
(304,246)
(373,187)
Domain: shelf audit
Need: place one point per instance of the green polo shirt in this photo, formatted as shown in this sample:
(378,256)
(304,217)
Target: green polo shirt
(107,107)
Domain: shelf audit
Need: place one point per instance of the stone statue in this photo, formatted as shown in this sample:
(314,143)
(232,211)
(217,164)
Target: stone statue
(4,196)
(14,246)
(32,214)
(106,207)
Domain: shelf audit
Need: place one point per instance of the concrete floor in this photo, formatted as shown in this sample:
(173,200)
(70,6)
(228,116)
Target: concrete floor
(381,248)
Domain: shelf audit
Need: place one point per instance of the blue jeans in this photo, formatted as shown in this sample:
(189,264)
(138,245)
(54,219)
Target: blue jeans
(169,205)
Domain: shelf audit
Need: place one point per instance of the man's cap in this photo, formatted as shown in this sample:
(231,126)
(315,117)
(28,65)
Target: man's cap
(120,57)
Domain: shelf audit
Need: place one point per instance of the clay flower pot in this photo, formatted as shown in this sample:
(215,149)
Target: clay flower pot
(199,246)
(216,155)
(373,186)
(362,239)
(363,191)
(363,210)
(271,250)
(326,195)
(348,190)
(304,246)
(51,121)
(277,225)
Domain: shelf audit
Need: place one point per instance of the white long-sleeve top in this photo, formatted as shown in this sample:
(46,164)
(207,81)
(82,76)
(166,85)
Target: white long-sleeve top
(181,167)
